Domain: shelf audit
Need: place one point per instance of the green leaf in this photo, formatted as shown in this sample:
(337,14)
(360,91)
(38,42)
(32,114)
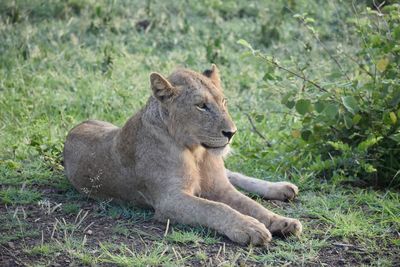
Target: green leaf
(350,103)
(245,44)
(382,64)
(305,135)
(286,97)
(269,77)
(331,111)
(396,33)
(348,122)
(356,119)
(303,106)
(290,104)
(364,145)
(340,146)
(375,39)
(368,168)
(395,99)
(387,119)
(395,137)
(246,54)
(393,117)
(306,120)
(259,118)
(319,106)
(309,20)
(296,133)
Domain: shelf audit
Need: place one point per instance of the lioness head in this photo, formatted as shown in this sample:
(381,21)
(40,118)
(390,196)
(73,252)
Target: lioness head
(195,109)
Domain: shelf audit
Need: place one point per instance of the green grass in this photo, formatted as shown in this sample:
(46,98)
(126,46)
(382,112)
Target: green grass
(123,211)
(62,62)
(130,228)
(14,227)
(17,196)
(191,236)
(126,256)
(17,235)
(42,250)
(71,208)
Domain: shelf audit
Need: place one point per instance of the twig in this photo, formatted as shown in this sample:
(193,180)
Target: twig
(358,64)
(176,254)
(166,229)
(343,244)
(219,252)
(54,228)
(303,23)
(331,57)
(256,130)
(378,8)
(87,227)
(348,246)
(291,72)
(362,34)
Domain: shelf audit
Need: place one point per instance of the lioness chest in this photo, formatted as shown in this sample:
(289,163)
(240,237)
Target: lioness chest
(202,171)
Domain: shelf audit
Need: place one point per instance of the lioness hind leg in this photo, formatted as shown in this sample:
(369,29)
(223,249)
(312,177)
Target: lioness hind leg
(268,190)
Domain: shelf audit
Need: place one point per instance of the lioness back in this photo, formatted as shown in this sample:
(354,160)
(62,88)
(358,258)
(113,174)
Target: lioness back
(85,142)
(95,161)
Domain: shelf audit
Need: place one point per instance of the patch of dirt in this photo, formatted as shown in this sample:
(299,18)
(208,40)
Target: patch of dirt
(99,227)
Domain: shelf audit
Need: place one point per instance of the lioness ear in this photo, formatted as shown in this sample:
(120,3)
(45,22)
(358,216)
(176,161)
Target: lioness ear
(213,74)
(162,89)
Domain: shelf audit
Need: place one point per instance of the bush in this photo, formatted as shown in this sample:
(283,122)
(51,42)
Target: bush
(350,129)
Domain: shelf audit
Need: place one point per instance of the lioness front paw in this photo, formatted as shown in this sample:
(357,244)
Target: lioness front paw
(249,231)
(284,191)
(286,226)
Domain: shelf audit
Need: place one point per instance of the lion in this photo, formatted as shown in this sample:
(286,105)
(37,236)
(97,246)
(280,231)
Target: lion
(169,156)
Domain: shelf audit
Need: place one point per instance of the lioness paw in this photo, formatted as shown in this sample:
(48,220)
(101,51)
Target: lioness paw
(284,191)
(249,231)
(286,226)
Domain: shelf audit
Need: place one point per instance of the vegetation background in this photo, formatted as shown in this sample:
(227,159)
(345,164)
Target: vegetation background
(312,85)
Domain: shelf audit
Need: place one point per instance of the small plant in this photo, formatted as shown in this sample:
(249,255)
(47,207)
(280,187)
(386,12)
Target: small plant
(71,208)
(42,249)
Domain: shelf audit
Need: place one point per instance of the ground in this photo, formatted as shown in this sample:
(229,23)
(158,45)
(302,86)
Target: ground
(62,62)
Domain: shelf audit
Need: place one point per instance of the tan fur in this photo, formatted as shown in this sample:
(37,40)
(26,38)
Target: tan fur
(168,157)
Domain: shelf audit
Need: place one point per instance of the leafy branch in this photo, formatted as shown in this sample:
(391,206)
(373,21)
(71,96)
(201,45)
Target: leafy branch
(272,61)
(304,22)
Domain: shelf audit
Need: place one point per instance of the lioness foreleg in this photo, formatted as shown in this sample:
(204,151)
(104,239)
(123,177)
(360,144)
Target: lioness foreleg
(188,209)
(275,223)
(268,190)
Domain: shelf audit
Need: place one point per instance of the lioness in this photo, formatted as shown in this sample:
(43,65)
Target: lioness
(169,156)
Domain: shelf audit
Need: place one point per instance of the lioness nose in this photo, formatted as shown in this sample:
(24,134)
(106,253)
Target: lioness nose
(228,134)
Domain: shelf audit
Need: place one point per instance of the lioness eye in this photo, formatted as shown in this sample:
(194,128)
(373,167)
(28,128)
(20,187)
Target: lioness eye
(202,107)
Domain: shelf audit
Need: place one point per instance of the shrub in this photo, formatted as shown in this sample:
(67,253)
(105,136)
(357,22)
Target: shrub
(350,129)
